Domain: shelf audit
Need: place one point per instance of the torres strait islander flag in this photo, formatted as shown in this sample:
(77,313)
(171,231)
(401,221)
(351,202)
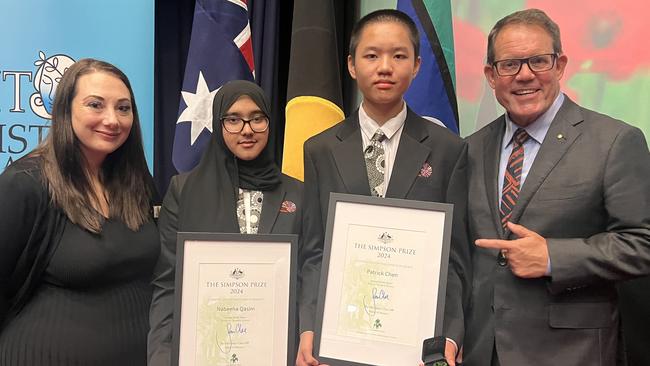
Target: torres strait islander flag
(220,50)
(432,94)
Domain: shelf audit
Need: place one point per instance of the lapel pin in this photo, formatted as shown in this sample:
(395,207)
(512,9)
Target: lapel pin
(288,207)
(560,137)
(425,171)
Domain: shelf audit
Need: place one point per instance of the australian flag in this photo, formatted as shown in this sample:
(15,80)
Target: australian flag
(220,50)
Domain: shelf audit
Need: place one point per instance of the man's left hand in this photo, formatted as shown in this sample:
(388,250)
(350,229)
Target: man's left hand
(527,255)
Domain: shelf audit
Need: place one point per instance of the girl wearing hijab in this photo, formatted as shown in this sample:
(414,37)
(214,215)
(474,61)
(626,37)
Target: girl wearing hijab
(235,188)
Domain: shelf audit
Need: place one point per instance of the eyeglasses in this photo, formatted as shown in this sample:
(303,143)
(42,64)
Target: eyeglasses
(234,124)
(537,63)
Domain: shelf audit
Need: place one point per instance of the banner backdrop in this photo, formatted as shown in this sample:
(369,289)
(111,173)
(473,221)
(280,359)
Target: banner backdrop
(40,39)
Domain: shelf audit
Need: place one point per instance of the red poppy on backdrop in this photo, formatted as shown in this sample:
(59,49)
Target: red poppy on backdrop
(602,36)
(470,47)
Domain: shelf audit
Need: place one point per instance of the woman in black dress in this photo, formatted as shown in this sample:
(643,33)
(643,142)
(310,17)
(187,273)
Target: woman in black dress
(235,188)
(78,241)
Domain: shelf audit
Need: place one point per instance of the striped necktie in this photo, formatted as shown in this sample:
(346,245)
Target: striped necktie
(512,176)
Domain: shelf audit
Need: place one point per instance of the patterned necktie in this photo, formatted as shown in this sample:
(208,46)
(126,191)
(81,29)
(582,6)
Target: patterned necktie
(374,156)
(512,176)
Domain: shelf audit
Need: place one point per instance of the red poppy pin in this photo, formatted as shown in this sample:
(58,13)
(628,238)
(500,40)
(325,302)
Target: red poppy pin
(288,207)
(425,171)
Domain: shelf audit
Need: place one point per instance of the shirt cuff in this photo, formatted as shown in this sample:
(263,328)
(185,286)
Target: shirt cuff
(455,346)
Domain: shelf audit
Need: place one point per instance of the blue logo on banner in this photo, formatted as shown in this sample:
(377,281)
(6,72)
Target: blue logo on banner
(18,138)
(49,74)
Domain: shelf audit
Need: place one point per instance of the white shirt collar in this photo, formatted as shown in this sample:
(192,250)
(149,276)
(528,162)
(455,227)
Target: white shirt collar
(369,126)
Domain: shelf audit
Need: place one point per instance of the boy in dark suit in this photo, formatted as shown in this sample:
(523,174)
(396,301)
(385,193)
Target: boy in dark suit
(383,149)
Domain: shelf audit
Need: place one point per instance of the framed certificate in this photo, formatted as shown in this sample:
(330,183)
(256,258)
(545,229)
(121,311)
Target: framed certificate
(235,300)
(383,280)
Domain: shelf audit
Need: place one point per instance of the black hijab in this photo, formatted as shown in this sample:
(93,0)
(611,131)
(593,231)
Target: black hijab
(208,201)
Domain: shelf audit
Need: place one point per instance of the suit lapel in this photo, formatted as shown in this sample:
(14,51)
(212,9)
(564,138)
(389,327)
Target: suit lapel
(491,157)
(559,138)
(411,155)
(270,209)
(348,156)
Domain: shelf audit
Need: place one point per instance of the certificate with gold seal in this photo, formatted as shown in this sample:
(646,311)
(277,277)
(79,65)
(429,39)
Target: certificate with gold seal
(235,300)
(383,279)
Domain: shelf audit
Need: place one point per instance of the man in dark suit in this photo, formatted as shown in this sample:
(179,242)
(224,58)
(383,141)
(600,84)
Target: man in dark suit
(383,149)
(559,209)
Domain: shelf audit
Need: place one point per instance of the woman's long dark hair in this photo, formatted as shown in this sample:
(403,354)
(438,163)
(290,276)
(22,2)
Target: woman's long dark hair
(124,173)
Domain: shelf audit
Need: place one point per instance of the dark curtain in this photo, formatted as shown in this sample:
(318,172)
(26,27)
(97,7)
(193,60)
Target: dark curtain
(173,27)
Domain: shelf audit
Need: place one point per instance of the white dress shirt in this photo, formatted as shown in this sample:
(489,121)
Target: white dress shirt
(393,131)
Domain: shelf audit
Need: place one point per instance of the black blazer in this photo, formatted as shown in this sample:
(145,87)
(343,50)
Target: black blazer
(274,220)
(334,163)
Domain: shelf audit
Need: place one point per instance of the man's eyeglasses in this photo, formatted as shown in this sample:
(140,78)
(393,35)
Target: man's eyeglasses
(234,124)
(537,63)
